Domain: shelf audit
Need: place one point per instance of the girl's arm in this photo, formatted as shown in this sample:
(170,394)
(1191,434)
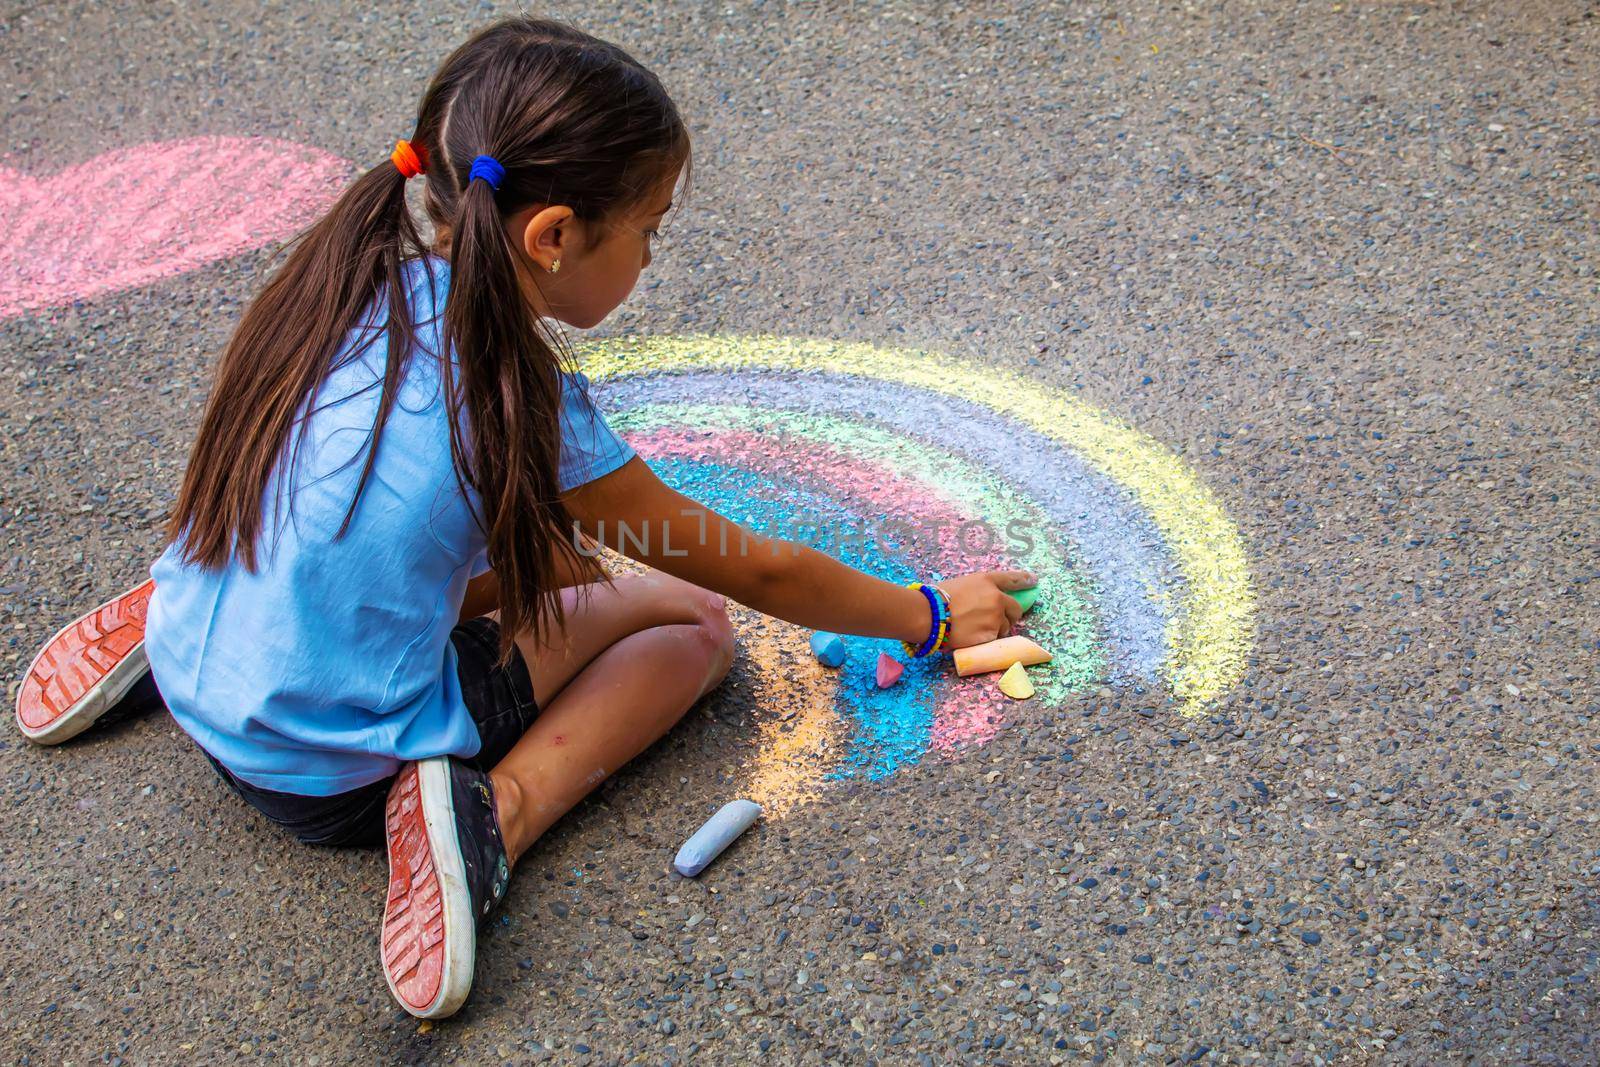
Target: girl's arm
(483,592)
(633,512)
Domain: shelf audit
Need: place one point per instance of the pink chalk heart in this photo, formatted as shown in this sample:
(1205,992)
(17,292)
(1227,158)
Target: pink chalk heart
(134,215)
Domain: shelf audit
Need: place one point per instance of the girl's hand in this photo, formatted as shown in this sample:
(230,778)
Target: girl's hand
(979,608)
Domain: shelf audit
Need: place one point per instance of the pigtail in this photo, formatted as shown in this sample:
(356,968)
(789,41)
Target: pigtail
(510,387)
(279,354)
(575,121)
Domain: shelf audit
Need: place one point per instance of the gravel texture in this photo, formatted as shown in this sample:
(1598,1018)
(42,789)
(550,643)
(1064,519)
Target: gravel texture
(1341,256)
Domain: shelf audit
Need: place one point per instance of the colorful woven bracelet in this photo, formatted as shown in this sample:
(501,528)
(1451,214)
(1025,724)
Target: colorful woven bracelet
(919,651)
(944,621)
(939,629)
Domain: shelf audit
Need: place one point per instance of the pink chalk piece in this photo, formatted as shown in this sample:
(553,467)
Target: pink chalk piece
(134,215)
(889,670)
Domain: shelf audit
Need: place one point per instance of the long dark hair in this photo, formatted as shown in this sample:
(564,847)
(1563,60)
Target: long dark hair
(573,120)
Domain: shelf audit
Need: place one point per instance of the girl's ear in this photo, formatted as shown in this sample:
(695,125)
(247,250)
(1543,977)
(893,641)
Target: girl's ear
(548,234)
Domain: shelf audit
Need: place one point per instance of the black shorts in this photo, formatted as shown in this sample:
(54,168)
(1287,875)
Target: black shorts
(499,699)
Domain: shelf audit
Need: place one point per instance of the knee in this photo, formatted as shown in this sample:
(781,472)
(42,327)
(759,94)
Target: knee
(715,632)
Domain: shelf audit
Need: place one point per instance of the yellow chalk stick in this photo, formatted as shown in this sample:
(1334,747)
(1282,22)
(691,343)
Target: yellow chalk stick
(998,655)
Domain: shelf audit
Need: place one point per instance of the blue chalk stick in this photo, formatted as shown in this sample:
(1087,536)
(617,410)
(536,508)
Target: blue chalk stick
(717,834)
(828,648)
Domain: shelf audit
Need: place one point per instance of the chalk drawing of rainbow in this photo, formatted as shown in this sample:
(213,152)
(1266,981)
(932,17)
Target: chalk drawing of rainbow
(1143,576)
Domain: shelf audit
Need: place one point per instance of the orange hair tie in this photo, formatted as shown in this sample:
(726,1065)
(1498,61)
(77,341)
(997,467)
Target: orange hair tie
(408,160)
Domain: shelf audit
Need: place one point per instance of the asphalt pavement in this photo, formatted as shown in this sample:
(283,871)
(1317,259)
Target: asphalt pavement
(1337,260)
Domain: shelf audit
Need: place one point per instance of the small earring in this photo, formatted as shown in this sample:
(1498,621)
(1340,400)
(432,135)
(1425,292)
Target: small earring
(555,265)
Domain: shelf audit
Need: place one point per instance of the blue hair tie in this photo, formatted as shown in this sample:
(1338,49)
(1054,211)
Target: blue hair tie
(489,169)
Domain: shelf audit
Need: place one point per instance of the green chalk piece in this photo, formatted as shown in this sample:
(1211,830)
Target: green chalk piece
(1025,597)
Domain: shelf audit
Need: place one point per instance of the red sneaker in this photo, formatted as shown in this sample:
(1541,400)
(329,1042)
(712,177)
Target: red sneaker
(85,669)
(447,871)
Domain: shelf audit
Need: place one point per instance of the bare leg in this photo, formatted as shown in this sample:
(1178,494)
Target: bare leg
(630,662)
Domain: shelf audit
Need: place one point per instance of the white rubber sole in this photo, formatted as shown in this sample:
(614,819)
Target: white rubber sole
(460,927)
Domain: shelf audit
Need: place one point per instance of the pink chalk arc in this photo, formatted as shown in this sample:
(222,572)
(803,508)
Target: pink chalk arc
(135,215)
(875,489)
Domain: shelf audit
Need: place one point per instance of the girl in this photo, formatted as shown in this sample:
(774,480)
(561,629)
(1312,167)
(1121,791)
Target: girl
(372,614)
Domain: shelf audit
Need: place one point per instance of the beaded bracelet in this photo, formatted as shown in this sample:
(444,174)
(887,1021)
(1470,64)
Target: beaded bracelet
(944,623)
(942,626)
(939,630)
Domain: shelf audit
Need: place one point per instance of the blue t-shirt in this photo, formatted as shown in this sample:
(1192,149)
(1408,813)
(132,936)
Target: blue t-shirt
(331,664)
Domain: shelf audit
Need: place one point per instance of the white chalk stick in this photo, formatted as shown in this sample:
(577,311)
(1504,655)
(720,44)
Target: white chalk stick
(717,834)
